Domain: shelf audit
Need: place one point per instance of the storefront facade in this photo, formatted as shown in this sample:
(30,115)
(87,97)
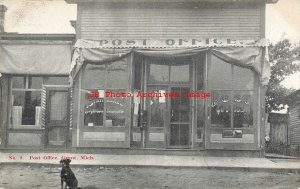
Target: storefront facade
(169,75)
(35,93)
(144,75)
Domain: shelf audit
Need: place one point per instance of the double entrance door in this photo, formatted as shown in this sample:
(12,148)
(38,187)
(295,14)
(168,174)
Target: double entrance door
(169,119)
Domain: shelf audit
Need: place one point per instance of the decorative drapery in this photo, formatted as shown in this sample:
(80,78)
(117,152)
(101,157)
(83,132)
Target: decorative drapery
(252,56)
(41,58)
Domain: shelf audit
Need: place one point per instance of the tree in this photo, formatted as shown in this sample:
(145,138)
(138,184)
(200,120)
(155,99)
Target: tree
(284,60)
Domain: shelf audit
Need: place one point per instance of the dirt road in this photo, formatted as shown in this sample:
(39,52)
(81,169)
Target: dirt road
(47,177)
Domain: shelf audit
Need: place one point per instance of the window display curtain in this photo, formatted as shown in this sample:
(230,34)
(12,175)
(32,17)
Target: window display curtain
(30,58)
(254,58)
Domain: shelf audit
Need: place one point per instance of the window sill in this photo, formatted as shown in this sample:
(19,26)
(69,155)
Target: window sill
(104,126)
(26,127)
(230,128)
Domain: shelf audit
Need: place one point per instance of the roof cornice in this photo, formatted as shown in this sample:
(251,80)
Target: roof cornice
(17,36)
(172,1)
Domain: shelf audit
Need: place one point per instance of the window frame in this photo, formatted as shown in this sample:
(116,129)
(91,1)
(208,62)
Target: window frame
(11,89)
(148,63)
(232,92)
(26,89)
(105,88)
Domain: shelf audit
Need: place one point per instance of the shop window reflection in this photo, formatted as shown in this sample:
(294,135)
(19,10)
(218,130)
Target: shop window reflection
(100,110)
(221,109)
(117,74)
(18,82)
(115,110)
(243,109)
(219,74)
(233,89)
(243,78)
(26,107)
(93,76)
(93,112)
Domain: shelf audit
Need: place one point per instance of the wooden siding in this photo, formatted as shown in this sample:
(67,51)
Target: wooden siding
(294,127)
(101,22)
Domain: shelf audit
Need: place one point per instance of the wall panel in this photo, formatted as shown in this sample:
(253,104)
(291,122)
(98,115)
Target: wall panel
(100,22)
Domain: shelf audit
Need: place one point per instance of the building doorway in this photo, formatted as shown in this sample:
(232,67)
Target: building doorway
(169,110)
(57,118)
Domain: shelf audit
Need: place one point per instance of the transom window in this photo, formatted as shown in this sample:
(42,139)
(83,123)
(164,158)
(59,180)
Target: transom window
(169,70)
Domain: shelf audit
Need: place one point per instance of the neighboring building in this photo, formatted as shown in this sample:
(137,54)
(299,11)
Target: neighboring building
(293,101)
(34,86)
(279,136)
(173,47)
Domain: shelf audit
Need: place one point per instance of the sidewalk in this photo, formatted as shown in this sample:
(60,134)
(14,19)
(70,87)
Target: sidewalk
(154,161)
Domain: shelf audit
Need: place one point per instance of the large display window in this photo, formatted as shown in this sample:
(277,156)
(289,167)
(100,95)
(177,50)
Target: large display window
(104,110)
(233,92)
(26,93)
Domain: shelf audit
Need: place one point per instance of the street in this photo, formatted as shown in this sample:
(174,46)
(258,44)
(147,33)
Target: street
(44,177)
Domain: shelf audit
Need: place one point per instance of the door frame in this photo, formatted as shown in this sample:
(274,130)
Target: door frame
(48,89)
(168,127)
(160,130)
(167,85)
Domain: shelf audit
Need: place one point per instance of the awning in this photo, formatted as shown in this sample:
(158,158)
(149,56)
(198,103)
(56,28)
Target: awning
(247,54)
(35,57)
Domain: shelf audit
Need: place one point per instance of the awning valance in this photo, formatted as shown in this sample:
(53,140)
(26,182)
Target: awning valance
(249,56)
(32,57)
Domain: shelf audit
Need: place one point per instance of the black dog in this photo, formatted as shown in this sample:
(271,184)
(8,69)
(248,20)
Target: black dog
(67,175)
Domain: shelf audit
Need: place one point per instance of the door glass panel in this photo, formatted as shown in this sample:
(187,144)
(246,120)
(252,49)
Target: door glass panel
(157,108)
(180,116)
(58,105)
(180,107)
